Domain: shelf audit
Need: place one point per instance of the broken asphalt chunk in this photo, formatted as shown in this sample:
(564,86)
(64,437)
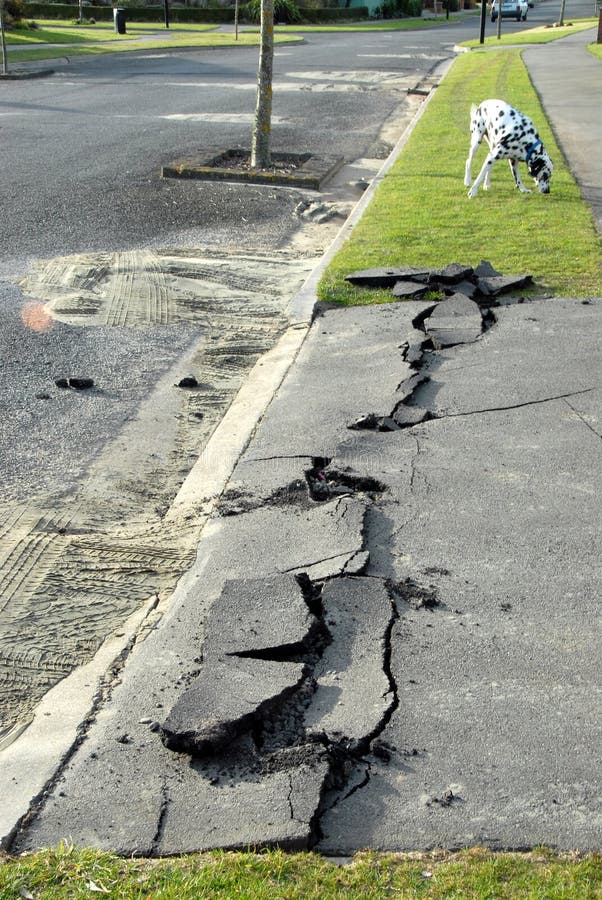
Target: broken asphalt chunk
(498,284)
(189,381)
(354,694)
(468,288)
(387,276)
(78,383)
(409,385)
(409,290)
(262,617)
(225,700)
(451,274)
(373,422)
(485,270)
(457,320)
(278,809)
(407,416)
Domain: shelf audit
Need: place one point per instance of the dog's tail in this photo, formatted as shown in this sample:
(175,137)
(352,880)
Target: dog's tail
(473,112)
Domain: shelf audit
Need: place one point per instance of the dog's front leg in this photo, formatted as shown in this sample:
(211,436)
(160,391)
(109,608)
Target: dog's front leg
(485,173)
(517,178)
(474,146)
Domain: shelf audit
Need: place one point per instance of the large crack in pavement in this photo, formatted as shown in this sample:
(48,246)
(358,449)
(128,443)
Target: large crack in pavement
(266,699)
(295,674)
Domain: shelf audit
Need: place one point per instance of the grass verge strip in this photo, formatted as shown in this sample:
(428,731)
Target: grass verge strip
(543,34)
(52,32)
(127,45)
(421,215)
(470,875)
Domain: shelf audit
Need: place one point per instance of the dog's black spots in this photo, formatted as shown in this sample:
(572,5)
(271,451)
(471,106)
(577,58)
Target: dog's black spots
(501,112)
(513,113)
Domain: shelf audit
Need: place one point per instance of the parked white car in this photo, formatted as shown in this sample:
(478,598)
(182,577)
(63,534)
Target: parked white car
(511,9)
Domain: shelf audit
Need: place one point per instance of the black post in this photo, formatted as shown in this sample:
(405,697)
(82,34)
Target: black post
(166,9)
(483,17)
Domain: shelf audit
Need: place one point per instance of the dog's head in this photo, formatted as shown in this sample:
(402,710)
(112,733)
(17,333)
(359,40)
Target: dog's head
(540,169)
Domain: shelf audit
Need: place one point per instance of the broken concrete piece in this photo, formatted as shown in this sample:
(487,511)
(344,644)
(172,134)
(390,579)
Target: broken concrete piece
(255,616)
(225,700)
(409,289)
(387,276)
(354,694)
(456,321)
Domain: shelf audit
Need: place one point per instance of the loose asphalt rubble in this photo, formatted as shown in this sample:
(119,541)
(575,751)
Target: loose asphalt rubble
(389,637)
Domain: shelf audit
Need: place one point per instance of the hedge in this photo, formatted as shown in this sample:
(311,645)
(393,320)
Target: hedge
(223,15)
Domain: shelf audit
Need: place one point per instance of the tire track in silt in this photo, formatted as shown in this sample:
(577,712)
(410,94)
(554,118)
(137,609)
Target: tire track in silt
(137,291)
(30,541)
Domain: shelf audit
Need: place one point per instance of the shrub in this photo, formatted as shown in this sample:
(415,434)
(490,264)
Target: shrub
(284,11)
(14,11)
(395,9)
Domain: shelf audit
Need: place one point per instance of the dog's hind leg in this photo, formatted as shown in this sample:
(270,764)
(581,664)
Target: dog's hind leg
(517,178)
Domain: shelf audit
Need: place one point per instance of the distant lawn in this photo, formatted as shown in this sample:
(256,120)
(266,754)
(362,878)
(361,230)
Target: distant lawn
(421,215)
(199,36)
(469,875)
(543,34)
(411,24)
(51,31)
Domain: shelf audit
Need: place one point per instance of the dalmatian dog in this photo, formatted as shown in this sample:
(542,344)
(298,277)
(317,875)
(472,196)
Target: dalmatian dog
(512,136)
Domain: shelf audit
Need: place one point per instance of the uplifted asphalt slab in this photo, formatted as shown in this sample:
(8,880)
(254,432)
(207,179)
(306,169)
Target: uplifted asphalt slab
(439,687)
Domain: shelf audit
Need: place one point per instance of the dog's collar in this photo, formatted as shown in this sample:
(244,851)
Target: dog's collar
(531,150)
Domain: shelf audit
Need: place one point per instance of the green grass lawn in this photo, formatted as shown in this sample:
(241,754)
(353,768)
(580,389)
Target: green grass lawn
(141,38)
(410,24)
(543,34)
(50,31)
(596,49)
(471,875)
(421,215)
(150,36)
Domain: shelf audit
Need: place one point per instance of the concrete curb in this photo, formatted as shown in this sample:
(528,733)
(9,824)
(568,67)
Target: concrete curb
(19,76)
(311,172)
(31,761)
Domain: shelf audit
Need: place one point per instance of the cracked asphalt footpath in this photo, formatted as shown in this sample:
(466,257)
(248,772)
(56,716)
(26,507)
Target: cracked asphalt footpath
(420,633)
(404,622)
